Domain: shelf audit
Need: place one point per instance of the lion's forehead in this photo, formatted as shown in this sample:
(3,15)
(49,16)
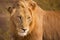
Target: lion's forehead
(23,12)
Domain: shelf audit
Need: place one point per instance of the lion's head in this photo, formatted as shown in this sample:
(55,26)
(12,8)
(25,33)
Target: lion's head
(22,17)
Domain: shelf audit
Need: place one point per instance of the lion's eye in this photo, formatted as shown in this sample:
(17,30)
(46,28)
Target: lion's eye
(28,18)
(19,17)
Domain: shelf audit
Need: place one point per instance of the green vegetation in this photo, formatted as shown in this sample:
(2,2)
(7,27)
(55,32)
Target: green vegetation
(49,4)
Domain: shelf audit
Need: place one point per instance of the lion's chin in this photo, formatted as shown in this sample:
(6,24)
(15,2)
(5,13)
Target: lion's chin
(22,34)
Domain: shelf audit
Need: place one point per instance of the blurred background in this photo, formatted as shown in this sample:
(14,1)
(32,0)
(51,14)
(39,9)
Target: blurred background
(49,4)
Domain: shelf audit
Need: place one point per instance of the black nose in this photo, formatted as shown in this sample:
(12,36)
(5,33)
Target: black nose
(24,29)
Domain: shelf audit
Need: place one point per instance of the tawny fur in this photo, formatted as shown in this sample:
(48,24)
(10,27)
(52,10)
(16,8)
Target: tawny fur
(51,25)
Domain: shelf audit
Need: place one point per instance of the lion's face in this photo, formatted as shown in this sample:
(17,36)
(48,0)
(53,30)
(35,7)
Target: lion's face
(22,18)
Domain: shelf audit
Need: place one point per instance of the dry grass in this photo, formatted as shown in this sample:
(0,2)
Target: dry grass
(49,4)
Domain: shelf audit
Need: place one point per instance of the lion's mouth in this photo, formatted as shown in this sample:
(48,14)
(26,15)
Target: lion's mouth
(22,32)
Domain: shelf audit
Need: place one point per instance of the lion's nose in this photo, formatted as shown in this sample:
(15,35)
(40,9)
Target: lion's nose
(24,29)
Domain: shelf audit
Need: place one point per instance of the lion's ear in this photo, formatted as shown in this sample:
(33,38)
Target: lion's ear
(33,5)
(11,10)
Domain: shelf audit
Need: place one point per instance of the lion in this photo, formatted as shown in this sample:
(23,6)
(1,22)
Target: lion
(51,25)
(26,20)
